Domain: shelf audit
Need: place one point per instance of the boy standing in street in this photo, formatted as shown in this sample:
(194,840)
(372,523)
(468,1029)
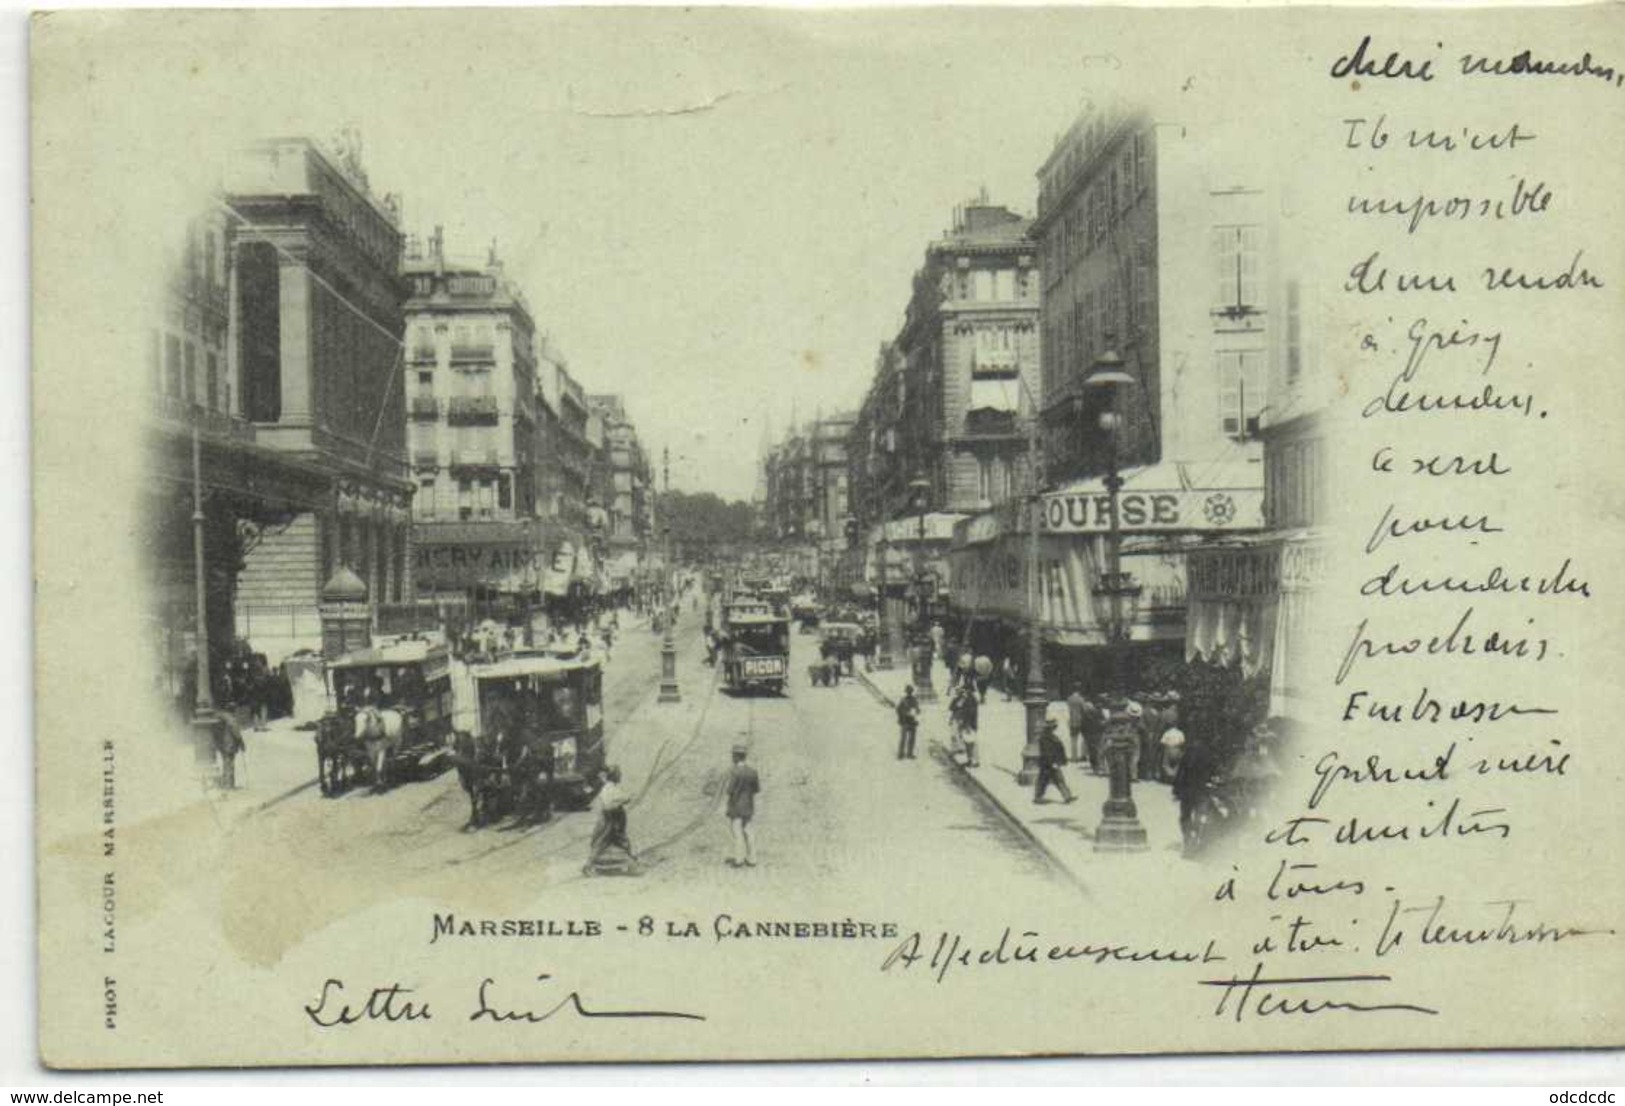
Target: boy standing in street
(908,723)
(743,785)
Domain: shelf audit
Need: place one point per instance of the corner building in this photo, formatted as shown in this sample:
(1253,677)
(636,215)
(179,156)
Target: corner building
(315,321)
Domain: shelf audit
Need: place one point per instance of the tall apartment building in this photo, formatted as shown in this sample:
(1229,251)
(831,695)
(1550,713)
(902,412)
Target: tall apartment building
(950,392)
(471,390)
(628,503)
(1161,247)
(567,458)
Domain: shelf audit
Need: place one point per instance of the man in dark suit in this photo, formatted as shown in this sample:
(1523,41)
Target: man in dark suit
(1051,755)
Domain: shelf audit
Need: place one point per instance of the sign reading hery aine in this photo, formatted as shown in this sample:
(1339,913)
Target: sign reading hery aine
(1174,509)
(463,565)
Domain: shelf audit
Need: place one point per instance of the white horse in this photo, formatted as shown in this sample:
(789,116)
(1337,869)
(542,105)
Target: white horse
(379,730)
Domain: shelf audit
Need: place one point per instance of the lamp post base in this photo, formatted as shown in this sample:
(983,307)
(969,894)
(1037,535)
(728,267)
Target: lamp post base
(1120,830)
(668,673)
(202,728)
(924,690)
(1036,704)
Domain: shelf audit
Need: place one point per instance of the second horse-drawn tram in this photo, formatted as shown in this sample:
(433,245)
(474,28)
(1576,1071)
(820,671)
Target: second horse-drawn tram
(755,647)
(542,716)
(390,714)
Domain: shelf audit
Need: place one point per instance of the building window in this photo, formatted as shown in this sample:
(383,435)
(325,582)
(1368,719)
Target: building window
(191,373)
(505,491)
(209,274)
(259,337)
(476,499)
(425,383)
(172,365)
(1142,293)
(1142,163)
(474,383)
(425,498)
(984,285)
(215,399)
(1294,332)
(1241,391)
(1236,293)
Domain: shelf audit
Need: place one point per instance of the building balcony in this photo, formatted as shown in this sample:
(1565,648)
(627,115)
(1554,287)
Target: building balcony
(423,354)
(425,407)
(175,413)
(425,459)
(987,422)
(471,409)
(473,351)
(475,460)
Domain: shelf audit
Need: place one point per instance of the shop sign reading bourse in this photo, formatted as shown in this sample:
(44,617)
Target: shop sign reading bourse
(1141,511)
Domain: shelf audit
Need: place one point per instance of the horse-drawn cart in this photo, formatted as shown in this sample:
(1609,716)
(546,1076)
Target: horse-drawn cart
(389,716)
(537,736)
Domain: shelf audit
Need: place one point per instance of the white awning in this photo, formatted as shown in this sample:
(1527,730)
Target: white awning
(995,394)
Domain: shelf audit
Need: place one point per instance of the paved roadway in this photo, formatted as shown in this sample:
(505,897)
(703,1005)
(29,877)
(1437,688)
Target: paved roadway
(842,825)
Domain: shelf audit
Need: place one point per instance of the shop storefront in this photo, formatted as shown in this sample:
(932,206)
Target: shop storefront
(1166,511)
(1250,607)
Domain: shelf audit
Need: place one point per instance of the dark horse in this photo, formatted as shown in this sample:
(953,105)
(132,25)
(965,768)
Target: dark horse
(340,758)
(482,774)
(530,778)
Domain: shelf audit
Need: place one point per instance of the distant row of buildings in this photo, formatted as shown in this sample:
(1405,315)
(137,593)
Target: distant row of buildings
(1147,249)
(333,394)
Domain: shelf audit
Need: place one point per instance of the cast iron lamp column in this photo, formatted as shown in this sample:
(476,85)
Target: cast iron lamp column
(924,690)
(204,719)
(668,643)
(1036,698)
(1119,830)
(882,623)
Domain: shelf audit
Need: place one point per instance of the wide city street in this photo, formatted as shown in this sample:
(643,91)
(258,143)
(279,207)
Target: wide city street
(839,819)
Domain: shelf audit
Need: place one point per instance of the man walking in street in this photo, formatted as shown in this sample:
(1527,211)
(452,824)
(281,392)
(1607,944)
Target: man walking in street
(968,711)
(228,743)
(1076,705)
(743,785)
(908,723)
(1051,755)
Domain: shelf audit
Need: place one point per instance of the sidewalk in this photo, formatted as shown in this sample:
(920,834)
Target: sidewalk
(1065,831)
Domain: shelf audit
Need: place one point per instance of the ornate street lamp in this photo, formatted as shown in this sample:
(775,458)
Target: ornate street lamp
(1119,829)
(668,643)
(1036,697)
(883,659)
(920,489)
(204,718)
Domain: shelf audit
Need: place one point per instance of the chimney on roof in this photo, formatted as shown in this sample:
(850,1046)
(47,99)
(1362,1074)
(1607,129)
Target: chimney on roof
(437,249)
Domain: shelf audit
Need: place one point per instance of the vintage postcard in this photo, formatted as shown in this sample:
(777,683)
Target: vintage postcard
(587,535)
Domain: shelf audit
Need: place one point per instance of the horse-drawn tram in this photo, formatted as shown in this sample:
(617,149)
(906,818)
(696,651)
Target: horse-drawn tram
(755,647)
(536,736)
(390,714)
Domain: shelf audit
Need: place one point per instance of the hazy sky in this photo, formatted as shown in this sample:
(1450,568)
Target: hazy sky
(717,214)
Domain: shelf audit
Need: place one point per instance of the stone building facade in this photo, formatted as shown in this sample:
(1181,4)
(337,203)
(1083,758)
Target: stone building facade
(314,348)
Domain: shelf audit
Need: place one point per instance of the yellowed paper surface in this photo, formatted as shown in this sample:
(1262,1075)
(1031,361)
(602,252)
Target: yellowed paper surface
(720,214)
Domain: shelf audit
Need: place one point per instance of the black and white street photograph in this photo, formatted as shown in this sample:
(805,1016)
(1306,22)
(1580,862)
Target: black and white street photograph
(697,518)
